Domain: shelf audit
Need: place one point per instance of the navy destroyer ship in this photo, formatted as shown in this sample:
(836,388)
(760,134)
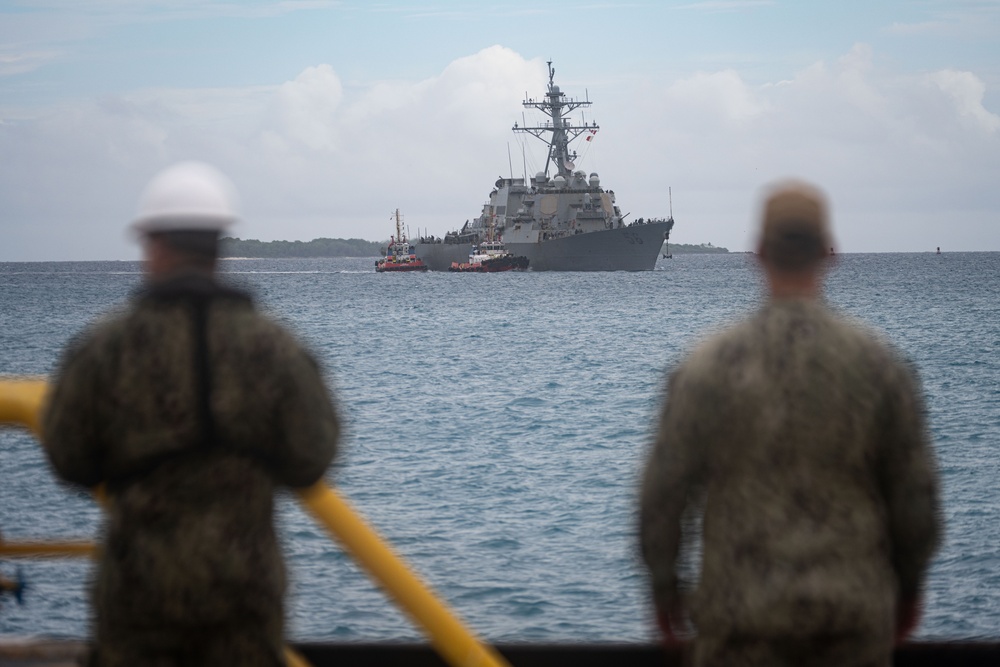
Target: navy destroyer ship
(562,219)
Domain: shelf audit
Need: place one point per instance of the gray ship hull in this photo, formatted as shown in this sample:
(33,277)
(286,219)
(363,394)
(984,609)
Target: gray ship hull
(633,248)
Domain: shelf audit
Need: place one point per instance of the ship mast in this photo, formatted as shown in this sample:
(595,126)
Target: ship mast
(399,227)
(556,106)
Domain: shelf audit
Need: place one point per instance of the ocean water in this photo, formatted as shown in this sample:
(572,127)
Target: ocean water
(496,426)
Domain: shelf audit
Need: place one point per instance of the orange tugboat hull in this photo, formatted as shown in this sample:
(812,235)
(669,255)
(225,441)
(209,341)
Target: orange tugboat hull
(388,267)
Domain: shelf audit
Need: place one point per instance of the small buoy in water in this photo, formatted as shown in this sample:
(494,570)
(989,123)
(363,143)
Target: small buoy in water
(939,250)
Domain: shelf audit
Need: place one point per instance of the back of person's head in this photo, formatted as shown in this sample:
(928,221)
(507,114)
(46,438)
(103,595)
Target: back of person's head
(196,249)
(795,227)
(185,208)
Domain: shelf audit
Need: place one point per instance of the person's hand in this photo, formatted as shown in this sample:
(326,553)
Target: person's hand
(907,618)
(673,627)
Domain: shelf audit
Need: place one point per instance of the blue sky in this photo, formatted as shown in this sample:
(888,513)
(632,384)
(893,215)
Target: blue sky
(329,115)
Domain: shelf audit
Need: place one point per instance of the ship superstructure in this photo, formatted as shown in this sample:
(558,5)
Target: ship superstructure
(561,219)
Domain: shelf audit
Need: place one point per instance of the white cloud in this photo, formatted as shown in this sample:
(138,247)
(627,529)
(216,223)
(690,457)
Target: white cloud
(921,28)
(727,5)
(304,109)
(899,153)
(19,62)
(716,97)
(969,19)
(966,91)
(51,30)
(310,158)
(122,10)
(894,151)
(431,147)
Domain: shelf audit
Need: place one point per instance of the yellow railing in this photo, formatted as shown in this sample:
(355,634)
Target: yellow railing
(20,404)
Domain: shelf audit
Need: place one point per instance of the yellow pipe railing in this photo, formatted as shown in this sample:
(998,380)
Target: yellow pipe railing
(20,404)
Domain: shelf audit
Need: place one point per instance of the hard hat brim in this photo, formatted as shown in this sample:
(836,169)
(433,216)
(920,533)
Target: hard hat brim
(180,223)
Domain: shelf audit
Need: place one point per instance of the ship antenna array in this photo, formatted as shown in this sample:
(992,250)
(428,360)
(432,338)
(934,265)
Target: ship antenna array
(557,106)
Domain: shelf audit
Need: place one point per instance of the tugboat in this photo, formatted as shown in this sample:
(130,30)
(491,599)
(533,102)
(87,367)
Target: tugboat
(399,255)
(490,256)
(561,219)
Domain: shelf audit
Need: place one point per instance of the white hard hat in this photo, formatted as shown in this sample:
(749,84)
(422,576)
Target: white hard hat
(189,196)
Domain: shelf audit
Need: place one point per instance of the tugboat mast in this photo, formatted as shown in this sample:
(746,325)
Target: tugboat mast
(399,228)
(556,106)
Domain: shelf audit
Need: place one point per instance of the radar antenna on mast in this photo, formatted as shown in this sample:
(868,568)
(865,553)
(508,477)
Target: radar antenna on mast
(563,131)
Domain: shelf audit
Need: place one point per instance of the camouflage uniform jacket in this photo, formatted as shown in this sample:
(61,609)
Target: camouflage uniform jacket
(192,408)
(799,442)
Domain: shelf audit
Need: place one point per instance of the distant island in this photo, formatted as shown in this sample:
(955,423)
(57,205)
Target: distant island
(234,247)
(252,248)
(692,249)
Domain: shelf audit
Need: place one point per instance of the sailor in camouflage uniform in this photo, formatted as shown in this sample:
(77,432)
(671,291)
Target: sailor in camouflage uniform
(192,409)
(793,456)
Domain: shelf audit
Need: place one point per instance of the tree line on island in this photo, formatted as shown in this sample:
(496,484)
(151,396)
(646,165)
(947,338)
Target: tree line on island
(693,249)
(254,249)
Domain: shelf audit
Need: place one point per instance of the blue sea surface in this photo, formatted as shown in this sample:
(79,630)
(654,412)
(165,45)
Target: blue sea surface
(496,425)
